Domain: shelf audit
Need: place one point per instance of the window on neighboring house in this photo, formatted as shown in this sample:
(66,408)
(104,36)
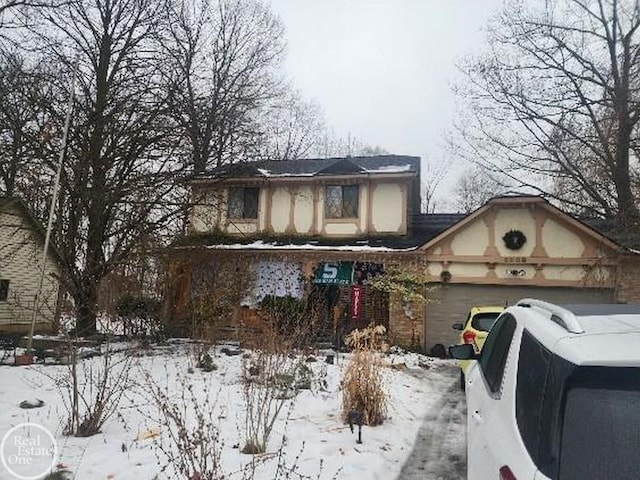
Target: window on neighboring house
(243,202)
(4,290)
(341,201)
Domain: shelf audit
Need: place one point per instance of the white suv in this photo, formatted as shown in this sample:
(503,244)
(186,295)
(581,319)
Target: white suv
(555,394)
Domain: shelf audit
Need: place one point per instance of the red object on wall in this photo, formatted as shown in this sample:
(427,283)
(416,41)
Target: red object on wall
(356,301)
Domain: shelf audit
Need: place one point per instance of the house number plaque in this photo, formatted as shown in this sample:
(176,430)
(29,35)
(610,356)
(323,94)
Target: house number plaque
(515,259)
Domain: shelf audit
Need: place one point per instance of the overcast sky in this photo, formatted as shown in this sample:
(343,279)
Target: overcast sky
(381,69)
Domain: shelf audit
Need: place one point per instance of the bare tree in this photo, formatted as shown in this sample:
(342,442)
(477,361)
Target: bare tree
(18,13)
(554,104)
(24,96)
(6,5)
(224,57)
(331,145)
(474,188)
(433,175)
(118,183)
(291,128)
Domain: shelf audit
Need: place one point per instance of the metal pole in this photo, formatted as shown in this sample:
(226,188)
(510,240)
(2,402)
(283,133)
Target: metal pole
(56,187)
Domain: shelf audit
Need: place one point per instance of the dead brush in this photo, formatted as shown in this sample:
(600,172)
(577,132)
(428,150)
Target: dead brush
(268,384)
(184,425)
(363,388)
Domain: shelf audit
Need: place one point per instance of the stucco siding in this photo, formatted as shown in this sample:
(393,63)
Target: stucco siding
(303,211)
(280,209)
(467,270)
(206,212)
(472,240)
(558,241)
(338,229)
(387,208)
(242,226)
(515,219)
(298,208)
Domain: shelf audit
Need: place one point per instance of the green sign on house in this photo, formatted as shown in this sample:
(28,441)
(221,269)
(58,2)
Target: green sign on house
(337,273)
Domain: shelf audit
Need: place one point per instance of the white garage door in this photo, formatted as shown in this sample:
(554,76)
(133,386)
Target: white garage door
(453,301)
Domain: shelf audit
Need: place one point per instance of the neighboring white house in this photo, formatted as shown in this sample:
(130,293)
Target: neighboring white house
(21,245)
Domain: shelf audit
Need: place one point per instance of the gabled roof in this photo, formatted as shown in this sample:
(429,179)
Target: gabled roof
(611,229)
(428,225)
(21,207)
(524,200)
(316,167)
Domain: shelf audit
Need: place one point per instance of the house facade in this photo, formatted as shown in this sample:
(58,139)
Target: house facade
(325,227)
(21,246)
(335,198)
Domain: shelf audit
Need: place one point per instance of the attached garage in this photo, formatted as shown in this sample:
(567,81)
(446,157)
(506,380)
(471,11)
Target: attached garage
(509,249)
(452,303)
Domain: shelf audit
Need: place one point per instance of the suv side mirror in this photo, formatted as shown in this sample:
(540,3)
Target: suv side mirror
(458,326)
(463,351)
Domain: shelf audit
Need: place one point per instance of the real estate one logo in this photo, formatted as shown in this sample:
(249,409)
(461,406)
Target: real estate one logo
(28,451)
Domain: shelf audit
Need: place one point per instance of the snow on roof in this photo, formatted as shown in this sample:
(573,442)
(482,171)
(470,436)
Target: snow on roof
(269,173)
(318,166)
(390,169)
(260,245)
(381,169)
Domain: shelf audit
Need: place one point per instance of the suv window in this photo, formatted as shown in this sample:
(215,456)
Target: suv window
(495,350)
(484,321)
(601,403)
(533,367)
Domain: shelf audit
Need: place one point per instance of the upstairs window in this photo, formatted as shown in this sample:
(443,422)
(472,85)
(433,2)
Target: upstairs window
(4,290)
(243,202)
(341,201)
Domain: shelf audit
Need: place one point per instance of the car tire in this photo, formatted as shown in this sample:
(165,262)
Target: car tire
(461,380)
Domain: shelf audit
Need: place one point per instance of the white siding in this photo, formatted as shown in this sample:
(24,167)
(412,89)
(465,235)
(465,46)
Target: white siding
(20,263)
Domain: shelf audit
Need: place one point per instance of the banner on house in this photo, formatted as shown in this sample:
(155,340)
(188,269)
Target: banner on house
(356,301)
(365,271)
(336,273)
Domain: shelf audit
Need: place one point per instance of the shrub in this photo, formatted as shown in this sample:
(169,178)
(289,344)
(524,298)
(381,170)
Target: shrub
(91,390)
(190,446)
(269,382)
(285,313)
(363,389)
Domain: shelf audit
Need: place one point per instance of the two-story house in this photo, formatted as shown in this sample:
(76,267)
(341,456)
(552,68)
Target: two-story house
(323,227)
(307,227)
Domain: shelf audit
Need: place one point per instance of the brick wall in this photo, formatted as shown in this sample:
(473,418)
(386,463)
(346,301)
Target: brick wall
(628,281)
(406,323)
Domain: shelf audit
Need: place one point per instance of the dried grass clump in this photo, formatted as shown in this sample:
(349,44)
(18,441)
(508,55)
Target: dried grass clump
(363,382)
(371,339)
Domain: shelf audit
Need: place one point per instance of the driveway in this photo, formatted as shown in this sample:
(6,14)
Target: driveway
(439,452)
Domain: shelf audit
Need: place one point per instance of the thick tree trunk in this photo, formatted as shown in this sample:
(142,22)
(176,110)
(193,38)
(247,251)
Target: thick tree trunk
(86,311)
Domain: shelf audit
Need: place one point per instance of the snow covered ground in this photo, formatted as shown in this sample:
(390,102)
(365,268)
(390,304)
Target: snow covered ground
(424,405)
